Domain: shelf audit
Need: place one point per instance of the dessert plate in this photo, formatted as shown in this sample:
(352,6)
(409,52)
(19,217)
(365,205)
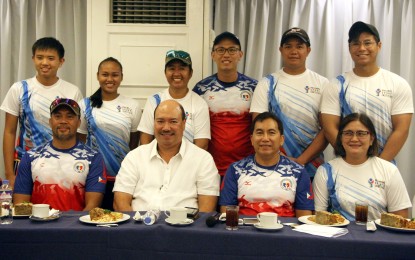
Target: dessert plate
(305,220)
(87,219)
(409,230)
(19,216)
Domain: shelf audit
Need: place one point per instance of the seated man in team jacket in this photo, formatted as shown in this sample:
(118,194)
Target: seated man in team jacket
(267,181)
(63,173)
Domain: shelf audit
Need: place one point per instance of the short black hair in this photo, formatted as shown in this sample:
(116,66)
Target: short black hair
(49,43)
(365,120)
(267,115)
(96,98)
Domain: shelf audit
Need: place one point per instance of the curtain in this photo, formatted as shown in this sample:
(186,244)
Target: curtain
(260,24)
(22,22)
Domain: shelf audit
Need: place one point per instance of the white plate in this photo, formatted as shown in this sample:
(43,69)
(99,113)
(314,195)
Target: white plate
(87,219)
(186,222)
(305,220)
(274,228)
(409,230)
(19,216)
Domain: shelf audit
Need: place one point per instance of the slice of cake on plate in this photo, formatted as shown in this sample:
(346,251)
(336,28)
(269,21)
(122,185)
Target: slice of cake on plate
(23,209)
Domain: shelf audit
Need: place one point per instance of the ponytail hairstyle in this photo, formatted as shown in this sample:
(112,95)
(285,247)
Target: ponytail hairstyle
(96,98)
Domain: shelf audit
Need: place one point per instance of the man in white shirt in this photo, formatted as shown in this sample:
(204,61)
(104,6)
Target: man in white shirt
(170,171)
(382,95)
(293,93)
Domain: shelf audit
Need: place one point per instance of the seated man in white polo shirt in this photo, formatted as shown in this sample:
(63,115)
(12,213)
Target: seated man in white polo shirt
(168,172)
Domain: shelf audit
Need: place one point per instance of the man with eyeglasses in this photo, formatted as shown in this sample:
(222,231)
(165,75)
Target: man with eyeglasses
(178,71)
(26,104)
(293,93)
(64,172)
(384,96)
(228,94)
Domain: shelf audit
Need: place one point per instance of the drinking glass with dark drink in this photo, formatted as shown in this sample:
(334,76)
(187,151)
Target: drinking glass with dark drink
(232,217)
(361,212)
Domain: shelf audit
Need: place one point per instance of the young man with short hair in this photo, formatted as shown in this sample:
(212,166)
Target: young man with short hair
(293,93)
(228,94)
(382,95)
(27,101)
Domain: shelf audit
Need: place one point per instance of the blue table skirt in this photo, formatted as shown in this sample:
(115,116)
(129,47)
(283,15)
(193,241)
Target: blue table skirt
(68,238)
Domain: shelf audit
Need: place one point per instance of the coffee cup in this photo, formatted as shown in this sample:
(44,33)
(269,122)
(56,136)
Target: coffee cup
(268,219)
(40,210)
(176,214)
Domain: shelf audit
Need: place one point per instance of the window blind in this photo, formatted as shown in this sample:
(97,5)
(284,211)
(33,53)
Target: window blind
(148,11)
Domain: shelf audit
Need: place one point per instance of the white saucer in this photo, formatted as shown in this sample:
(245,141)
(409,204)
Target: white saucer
(271,228)
(50,218)
(185,222)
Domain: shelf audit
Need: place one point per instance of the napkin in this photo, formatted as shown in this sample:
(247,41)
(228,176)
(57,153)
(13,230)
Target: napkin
(370,226)
(323,231)
(53,212)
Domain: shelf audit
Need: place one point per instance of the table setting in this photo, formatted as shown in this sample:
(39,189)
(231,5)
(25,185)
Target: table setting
(130,237)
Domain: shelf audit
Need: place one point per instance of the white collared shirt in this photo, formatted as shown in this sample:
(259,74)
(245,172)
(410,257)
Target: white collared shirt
(155,184)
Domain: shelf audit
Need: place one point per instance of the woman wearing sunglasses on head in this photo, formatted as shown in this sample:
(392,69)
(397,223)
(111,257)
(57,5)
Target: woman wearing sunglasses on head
(178,72)
(109,122)
(357,174)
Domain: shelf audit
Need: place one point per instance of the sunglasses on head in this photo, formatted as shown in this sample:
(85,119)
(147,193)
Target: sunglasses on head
(67,101)
(178,54)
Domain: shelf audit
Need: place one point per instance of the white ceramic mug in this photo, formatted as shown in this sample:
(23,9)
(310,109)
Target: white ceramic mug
(40,210)
(268,219)
(176,214)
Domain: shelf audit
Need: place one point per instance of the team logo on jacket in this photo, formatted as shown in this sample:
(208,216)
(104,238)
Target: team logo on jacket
(79,167)
(246,95)
(286,184)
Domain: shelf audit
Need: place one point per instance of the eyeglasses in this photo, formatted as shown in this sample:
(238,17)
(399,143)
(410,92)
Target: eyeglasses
(357,44)
(231,50)
(360,134)
(67,102)
(181,55)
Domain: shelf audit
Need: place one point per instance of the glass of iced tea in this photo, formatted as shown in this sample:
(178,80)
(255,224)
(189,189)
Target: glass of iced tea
(232,217)
(361,212)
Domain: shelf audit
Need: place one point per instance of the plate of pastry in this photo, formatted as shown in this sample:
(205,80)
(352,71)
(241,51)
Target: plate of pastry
(103,216)
(325,218)
(396,223)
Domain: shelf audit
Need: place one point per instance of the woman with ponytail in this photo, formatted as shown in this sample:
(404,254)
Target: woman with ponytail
(109,122)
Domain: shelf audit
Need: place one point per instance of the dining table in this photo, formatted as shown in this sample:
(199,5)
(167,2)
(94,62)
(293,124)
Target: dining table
(70,237)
